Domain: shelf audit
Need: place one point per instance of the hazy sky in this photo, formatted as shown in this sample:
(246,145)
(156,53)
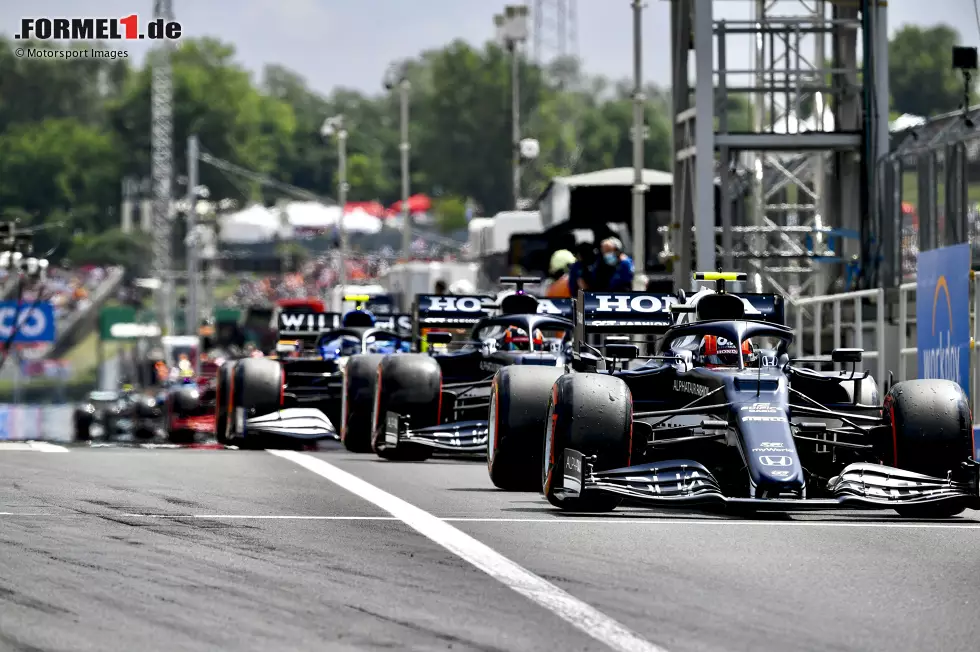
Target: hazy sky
(351,42)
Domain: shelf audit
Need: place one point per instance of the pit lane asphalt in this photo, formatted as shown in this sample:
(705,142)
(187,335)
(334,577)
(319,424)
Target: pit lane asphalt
(80,571)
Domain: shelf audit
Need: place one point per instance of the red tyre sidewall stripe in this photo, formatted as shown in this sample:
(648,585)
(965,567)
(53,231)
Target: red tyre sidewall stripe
(376,414)
(552,427)
(890,406)
(282,386)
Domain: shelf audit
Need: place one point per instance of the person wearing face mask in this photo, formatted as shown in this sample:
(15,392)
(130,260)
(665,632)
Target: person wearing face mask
(614,269)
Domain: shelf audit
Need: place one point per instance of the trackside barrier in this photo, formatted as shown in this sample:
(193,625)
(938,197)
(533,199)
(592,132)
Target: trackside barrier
(36,422)
(906,292)
(856,326)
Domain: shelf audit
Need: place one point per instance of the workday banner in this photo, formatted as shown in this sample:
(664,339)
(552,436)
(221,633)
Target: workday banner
(942,310)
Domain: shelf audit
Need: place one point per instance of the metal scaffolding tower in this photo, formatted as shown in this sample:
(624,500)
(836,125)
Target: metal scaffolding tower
(791,183)
(161,146)
(555,30)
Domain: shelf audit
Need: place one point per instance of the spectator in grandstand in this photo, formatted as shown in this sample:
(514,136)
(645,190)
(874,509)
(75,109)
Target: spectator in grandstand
(613,272)
(561,262)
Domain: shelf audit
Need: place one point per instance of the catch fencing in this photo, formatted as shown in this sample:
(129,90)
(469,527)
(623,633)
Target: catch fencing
(928,193)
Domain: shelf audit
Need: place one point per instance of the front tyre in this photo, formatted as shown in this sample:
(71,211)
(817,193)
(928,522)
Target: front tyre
(931,433)
(592,414)
(518,415)
(409,385)
(357,407)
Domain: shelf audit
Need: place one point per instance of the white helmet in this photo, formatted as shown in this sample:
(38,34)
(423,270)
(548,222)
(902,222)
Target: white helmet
(462,286)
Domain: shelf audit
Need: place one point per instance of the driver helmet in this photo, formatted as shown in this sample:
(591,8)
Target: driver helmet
(516,339)
(717,351)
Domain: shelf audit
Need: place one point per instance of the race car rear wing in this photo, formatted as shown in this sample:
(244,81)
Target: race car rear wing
(557,307)
(307,326)
(770,307)
(438,311)
(621,312)
(304,325)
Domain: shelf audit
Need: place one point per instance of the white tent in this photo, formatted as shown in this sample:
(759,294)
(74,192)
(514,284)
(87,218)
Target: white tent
(360,221)
(310,215)
(253,224)
(313,215)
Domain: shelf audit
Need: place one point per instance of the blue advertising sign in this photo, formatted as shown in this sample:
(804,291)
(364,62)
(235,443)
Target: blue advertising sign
(33,322)
(942,309)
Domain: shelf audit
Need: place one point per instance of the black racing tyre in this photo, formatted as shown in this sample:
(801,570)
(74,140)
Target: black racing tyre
(258,390)
(518,412)
(593,414)
(410,385)
(357,404)
(83,425)
(931,433)
(222,397)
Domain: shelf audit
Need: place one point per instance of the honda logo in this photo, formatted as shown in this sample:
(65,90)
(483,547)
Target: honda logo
(631,303)
(779,460)
(454,304)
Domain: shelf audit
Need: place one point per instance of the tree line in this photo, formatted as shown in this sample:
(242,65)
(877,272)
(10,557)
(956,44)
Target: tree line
(72,129)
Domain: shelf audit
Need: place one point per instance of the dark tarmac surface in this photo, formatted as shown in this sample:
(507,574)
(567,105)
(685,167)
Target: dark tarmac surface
(135,549)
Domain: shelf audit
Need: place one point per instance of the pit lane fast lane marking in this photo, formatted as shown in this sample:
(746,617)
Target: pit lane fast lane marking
(572,610)
(36,446)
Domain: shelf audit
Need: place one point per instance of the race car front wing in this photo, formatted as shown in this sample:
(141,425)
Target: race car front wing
(459,437)
(295,423)
(686,482)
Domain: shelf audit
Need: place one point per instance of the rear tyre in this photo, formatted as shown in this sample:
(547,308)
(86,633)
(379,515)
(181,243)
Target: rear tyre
(357,407)
(409,385)
(931,433)
(257,391)
(223,384)
(592,414)
(518,413)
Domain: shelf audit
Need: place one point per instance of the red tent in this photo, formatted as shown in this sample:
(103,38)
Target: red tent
(416,204)
(373,208)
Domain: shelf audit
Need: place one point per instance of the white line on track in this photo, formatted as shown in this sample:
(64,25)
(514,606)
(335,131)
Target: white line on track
(577,613)
(37,446)
(231,517)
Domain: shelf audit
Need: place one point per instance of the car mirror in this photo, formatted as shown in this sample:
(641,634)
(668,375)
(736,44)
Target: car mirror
(622,351)
(439,337)
(847,355)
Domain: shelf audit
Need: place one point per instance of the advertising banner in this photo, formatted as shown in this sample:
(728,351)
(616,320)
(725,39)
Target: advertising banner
(942,307)
(34,322)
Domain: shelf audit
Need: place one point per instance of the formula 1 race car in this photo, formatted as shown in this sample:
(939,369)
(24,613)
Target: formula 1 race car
(189,406)
(406,407)
(117,415)
(722,417)
(297,394)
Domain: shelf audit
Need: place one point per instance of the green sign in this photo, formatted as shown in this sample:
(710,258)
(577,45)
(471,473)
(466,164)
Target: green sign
(227,314)
(125,323)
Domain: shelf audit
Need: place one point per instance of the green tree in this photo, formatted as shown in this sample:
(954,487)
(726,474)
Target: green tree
(450,213)
(112,247)
(920,70)
(214,98)
(61,167)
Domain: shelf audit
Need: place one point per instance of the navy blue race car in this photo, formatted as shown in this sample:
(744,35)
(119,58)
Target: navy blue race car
(720,415)
(299,394)
(406,407)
